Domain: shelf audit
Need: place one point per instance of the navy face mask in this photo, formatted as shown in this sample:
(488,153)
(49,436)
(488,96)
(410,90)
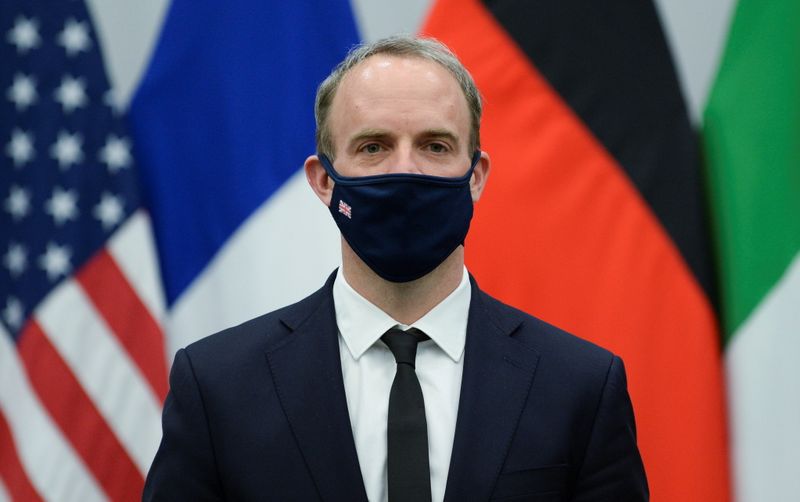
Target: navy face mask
(402,225)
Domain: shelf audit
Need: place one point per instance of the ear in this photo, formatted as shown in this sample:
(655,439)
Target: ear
(319,180)
(479,176)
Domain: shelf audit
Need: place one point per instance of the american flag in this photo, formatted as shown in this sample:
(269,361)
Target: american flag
(83,372)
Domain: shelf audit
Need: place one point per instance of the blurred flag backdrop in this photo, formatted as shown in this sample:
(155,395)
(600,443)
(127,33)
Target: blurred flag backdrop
(82,355)
(223,120)
(593,217)
(130,228)
(752,139)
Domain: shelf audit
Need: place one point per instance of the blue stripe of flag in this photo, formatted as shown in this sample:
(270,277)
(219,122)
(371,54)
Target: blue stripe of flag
(224,116)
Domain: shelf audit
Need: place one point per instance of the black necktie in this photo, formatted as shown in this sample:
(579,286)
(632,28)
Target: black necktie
(407,435)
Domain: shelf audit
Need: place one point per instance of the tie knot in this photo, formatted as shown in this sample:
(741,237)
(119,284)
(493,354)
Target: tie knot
(403,344)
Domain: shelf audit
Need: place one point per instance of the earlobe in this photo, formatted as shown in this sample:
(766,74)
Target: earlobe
(318,179)
(479,176)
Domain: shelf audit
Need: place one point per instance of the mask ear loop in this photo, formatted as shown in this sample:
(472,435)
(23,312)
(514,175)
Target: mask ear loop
(475,158)
(328,165)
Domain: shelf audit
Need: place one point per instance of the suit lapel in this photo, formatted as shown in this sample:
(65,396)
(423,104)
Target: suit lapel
(307,372)
(498,373)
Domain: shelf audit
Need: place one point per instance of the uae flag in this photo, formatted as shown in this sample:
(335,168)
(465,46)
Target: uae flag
(752,145)
(593,218)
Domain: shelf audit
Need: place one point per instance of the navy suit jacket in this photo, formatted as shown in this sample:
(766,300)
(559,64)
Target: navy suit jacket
(258,412)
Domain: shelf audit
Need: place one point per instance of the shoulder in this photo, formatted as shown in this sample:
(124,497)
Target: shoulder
(232,346)
(557,347)
(578,413)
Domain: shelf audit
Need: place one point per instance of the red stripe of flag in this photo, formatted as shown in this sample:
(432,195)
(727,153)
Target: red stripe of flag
(129,318)
(13,474)
(76,415)
(561,232)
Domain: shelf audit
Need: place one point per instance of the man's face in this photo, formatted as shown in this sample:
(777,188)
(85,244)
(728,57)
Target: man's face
(393,114)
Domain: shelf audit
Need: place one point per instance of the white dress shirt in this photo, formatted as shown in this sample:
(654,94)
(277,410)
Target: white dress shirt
(369,367)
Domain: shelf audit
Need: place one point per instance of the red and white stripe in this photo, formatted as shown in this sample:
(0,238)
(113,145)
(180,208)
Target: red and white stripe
(4,495)
(36,460)
(81,392)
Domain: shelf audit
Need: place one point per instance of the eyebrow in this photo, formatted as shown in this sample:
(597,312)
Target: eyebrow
(368,134)
(440,133)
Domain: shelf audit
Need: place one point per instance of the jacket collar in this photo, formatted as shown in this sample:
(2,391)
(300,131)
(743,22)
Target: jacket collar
(306,368)
(498,374)
(307,373)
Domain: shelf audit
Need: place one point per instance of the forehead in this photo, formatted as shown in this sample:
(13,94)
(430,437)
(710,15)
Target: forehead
(398,84)
(384,72)
(401,77)
(378,66)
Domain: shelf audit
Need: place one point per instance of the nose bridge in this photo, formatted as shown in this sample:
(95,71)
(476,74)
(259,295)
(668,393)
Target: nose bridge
(405,159)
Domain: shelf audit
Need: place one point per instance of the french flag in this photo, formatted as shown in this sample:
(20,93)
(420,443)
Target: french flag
(222,122)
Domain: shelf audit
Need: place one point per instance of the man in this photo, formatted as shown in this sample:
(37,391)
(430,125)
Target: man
(400,378)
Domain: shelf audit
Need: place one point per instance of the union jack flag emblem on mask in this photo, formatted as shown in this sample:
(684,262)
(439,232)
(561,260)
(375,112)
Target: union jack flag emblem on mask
(345,209)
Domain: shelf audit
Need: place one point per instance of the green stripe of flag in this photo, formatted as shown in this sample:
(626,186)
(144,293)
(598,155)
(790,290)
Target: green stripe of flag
(752,142)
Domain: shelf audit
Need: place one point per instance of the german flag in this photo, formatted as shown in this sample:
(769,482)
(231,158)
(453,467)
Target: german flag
(593,218)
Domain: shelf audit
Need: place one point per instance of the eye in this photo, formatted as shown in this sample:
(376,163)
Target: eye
(438,147)
(371,148)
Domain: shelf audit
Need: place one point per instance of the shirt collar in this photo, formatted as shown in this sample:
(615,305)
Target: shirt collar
(361,323)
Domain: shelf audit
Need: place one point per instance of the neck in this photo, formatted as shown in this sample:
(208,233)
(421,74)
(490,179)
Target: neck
(406,302)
